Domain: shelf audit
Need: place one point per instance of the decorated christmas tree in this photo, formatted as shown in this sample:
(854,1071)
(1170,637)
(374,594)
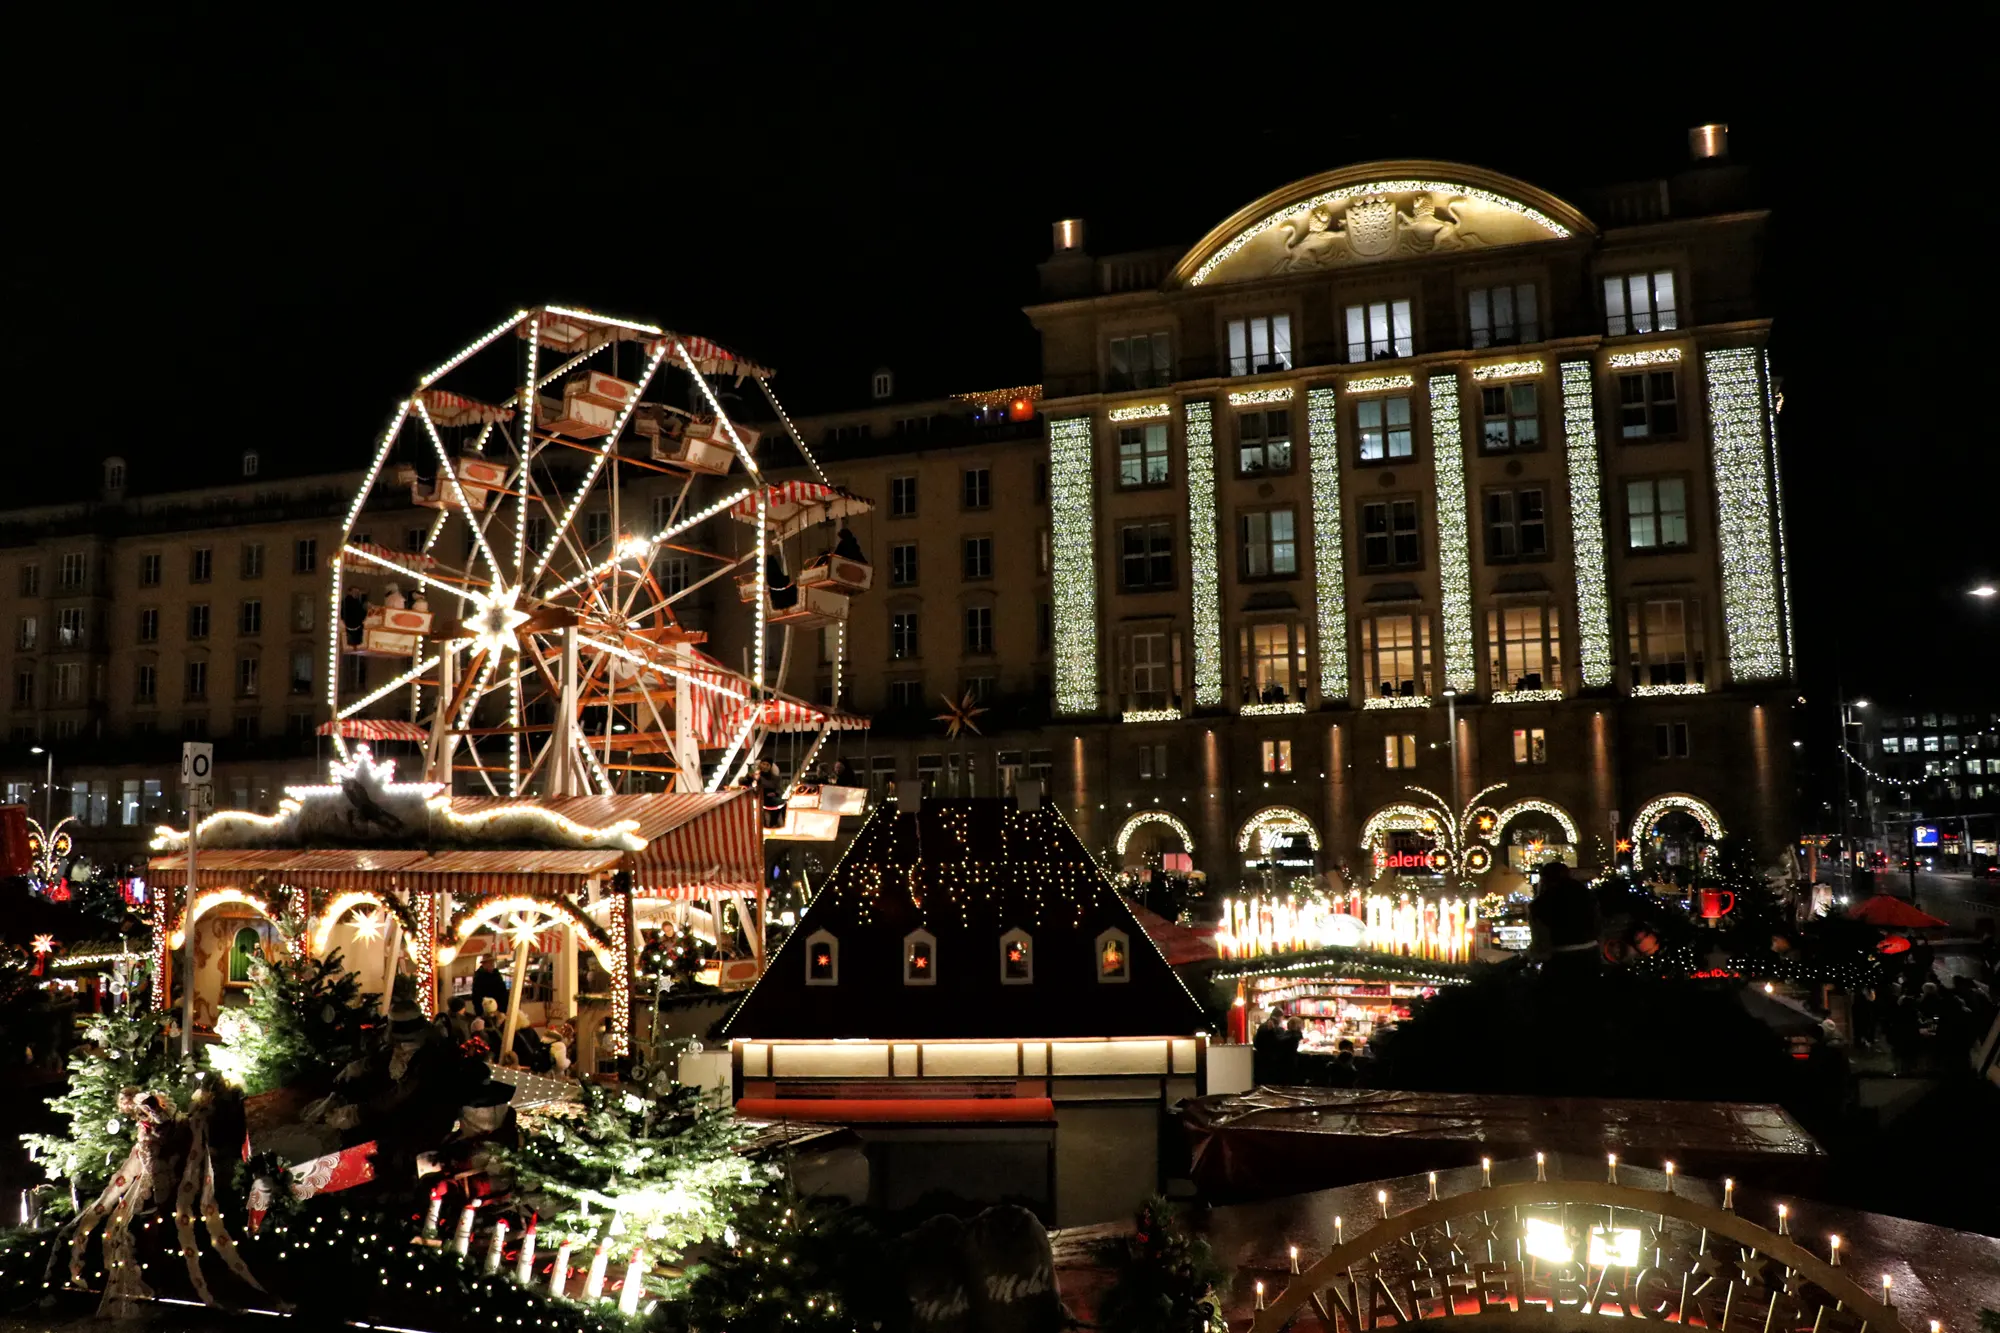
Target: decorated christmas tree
(1165,1277)
(305,1018)
(120,1050)
(790,1264)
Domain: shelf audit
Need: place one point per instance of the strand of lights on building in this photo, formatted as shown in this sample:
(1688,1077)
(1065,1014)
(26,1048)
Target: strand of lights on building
(1145,817)
(1381,383)
(1074,587)
(1472,192)
(361,495)
(1142,412)
(1204,578)
(1652,356)
(1507,370)
(1404,925)
(1329,572)
(1906,784)
(1669,690)
(1525,697)
(1151,715)
(1379,702)
(1255,397)
(1278,819)
(1778,507)
(1702,812)
(1271,710)
(1752,619)
(1586,524)
(1454,552)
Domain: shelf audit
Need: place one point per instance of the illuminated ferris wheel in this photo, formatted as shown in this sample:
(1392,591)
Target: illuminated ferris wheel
(522,551)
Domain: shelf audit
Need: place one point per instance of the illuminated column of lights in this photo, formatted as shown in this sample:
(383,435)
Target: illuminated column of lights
(424,909)
(514,729)
(1778,504)
(1586,518)
(1454,567)
(1198,420)
(839,658)
(1329,563)
(621,981)
(336,632)
(163,916)
(1074,587)
(1752,619)
(597,461)
(527,451)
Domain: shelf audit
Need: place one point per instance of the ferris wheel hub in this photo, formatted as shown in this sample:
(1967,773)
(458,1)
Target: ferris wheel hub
(495,618)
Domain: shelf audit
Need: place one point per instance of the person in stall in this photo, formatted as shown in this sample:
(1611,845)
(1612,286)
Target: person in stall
(354,616)
(847,548)
(392,598)
(843,775)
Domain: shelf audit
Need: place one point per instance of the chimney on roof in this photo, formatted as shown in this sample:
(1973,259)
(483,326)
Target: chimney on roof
(1068,235)
(1068,271)
(1708,143)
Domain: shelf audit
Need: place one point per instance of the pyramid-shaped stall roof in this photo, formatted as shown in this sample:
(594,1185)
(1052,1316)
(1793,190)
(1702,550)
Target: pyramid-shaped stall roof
(968,871)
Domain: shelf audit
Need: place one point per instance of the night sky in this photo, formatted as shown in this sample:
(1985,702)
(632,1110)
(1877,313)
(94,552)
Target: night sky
(229,237)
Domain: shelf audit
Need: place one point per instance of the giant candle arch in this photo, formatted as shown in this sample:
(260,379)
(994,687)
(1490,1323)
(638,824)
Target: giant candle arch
(1702,812)
(1277,816)
(1145,817)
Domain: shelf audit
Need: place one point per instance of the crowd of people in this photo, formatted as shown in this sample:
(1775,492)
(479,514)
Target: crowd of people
(1928,1019)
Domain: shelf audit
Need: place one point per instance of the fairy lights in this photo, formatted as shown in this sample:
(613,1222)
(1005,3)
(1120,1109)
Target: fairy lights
(426,665)
(1329,572)
(1507,370)
(606,450)
(1907,784)
(1752,618)
(361,494)
(495,617)
(1271,710)
(1771,404)
(1151,715)
(1535,805)
(1278,819)
(1252,397)
(1142,412)
(1470,192)
(448,470)
(477,345)
(1204,580)
(1381,383)
(1074,589)
(208,899)
(604,319)
(540,914)
(1586,515)
(1667,691)
(1454,566)
(1702,812)
(346,902)
(1525,696)
(1652,356)
(1382,701)
(1145,817)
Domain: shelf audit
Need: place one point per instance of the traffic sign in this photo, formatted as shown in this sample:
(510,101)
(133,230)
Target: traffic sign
(197,763)
(201,798)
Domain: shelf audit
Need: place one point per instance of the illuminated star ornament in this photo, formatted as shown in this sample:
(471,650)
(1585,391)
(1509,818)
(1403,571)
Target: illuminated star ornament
(496,618)
(45,944)
(959,716)
(368,926)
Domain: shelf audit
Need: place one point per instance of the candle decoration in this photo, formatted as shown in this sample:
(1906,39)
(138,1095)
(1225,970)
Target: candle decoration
(1784,1220)
(593,1282)
(496,1245)
(635,1283)
(1434,1184)
(524,1271)
(1295,1258)
(1382,1201)
(559,1274)
(1611,1168)
(1541,1167)
(1260,1295)
(1486,1173)
(1833,1251)
(1728,1194)
(461,1239)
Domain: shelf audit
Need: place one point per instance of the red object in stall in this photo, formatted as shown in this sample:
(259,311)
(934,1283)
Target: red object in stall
(15,858)
(1893,944)
(1884,910)
(1239,1018)
(1711,905)
(59,891)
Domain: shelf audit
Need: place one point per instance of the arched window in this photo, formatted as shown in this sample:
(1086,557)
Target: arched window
(920,958)
(246,946)
(1017,959)
(1114,956)
(822,959)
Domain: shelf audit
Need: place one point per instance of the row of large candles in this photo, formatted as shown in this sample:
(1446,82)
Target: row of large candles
(1402,923)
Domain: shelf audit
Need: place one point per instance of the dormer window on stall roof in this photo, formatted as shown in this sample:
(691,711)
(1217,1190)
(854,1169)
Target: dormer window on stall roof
(1017,959)
(1114,956)
(920,958)
(822,959)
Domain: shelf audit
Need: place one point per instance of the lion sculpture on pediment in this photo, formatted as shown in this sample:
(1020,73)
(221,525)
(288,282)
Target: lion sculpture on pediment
(1371,227)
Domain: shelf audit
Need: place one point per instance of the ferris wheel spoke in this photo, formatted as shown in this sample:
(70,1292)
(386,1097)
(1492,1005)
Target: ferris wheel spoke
(764,383)
(454,590)
(715,406)
(448,470)
(609,447)
(412,674)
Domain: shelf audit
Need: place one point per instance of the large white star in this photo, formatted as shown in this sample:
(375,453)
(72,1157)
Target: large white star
(495,619)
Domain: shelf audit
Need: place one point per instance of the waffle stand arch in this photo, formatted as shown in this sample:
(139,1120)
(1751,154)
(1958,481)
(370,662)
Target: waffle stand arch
(1145,817)
(342,903)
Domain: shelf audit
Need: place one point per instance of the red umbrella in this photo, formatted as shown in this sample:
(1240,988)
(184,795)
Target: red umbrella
(1883,910)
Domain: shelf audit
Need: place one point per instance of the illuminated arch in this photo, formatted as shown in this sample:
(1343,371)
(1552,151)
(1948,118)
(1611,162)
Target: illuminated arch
(346,902)
(1536,806)
(1400,816)
(1277,817)
(210,898)
(1702,812)
(1552,216)
(558,911)
(1144,817)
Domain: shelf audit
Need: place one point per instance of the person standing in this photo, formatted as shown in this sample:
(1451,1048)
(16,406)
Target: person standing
(488,984)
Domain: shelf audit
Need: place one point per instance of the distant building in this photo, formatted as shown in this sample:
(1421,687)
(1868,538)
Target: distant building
(1933,766)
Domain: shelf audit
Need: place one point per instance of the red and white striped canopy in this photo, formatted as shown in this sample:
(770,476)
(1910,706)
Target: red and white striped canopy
(715,846)
(712,358)
(450,409)
(793,505)
(790,715)
(374,729)
(407,559)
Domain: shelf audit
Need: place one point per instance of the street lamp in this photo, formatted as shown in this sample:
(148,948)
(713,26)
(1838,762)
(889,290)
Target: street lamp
(1984,590)
(1451,722)
(1848,709)
(48,787)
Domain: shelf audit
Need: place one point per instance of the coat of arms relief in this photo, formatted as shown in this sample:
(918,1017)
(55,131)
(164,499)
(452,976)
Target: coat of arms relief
(1372,227)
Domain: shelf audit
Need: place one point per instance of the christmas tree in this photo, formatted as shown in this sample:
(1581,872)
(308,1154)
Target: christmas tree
(1165,1277)
(790,1264)
(305,1018)
(120,1050)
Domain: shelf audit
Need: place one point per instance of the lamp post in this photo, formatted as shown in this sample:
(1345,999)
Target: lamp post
(1451,722)
(1848,709)
(48,787)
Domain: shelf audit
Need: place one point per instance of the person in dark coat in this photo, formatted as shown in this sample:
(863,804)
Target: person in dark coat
(488,984)
(1343,1073)
(1565,922)
(847,548)
(771,792)
(843,775)
(354,616)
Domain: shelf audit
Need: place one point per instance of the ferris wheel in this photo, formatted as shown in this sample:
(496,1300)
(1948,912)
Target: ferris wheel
(517,564)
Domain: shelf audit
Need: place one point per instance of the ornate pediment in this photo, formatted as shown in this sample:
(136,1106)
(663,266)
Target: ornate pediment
(1360,216)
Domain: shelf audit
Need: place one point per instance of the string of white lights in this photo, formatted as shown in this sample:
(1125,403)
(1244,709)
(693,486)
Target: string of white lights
(1142,412)
(1907,784)
(1507,370)
(1586,524)
(1204,578)
(1778,508)
(1381,383)
(1329,561)
(449,471)
(1752,619)
(334,636)
(388,689)
(1252,397)
(1668,690)
(1454,548)
(1074,586)
(642,548)
(523,485)
(485,338)
(597,461)
(1652,356)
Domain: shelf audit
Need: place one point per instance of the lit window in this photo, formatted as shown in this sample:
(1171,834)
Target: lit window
(1017,962)
(822,959)
(1399,751)
(1395,657)
(1531,745)
(1142,455)
(1114,956)
(1274,667)
(1502,316)
(1259,345)
(1269,547)
(903,634)
(1656,516)
(1277,756)
(920,958)
(1640,303)
(1516,525)
(1149,669)
(1524,648)
(1383,425)
(1263,442)
(1379,330)
(1664,642)
(1510,417)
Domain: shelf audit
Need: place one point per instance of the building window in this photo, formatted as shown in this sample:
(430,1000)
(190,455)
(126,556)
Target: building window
(596,528)
(248,669)
(1516,525)
(1663,641)
(248,727)
(1399,750)
(413,538)
(1640,303)
(881,385)
(71,570)
(1044,554)
(1395,655)
(1260,345)
(198,621)
(1379,330)
(672,573)
(302,611)
(28,633)
(979,629)
(1141,361)
(1274,662)
(250,617)
(149,624)
(1142,455)
(251,560)
(1648,406)
(1670,740)
(1277,756)
(903,564)
(919,958)
(24,689)
(1269,545)
(977,562)
(201,564)
(1017,960)
(822,959)
(1656,514)
(149,570)
(906,693)
(69,682)
(197,680)
(31,580)
(1510,417)
(536,533)
(1149,669)
(1531,745)
(1524,648)
(1114,956)
(1390,538)
(1146,556)
(302,671)
(69,627)
(305,555)
(1045,626)
(902,497)
(1263,442)
(1153,762)
(976,488)
(1383,427)
(1503,316)
(903,634)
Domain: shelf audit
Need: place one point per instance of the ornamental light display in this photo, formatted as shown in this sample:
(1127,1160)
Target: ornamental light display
(1586,516)
(1204,580)
(1460,842)
(1071,501)
(1454,549)
(1329,572)
(1753,616)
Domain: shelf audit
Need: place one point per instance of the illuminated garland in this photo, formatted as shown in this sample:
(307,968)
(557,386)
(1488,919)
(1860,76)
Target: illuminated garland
(1535,805)
(1652,356)
(1771,405)
(1142,412)
(1507,370)
(1251,397)
(1381,383)
(1204,580)
(1075,582)
(1661,691)
(1907,784)
(1381,701)
(1271,710)
(210,898)
(1586,517)
(1752,618)
(1151,715)
(1454,567)
(1323,439)
(1703,813)
(1390,966)
(424,911)
(1280,818)
(1525,697)
(1145,817)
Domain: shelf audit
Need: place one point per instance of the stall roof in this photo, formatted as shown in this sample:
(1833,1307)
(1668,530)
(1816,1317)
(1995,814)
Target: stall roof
(697,843)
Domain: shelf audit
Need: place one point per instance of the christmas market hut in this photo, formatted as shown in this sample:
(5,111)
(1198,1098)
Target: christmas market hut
(969,993)
(402,878)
